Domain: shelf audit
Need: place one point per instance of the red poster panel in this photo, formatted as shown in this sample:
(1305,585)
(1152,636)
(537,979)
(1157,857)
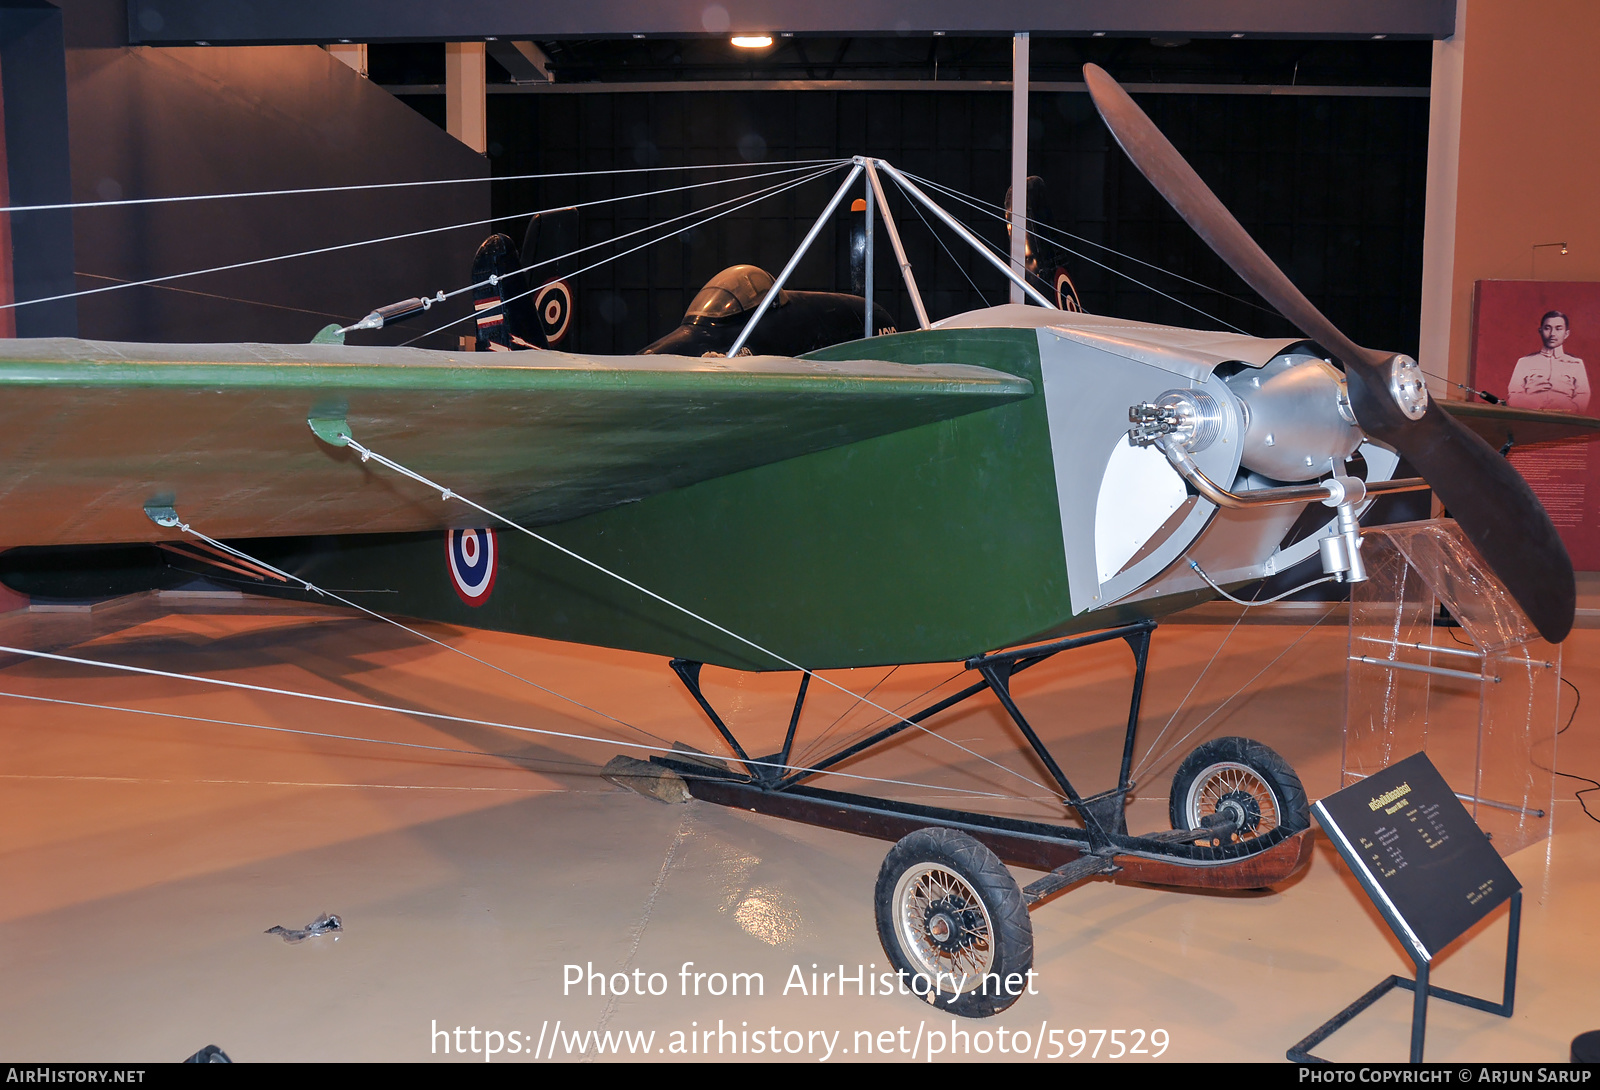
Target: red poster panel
(1530,341)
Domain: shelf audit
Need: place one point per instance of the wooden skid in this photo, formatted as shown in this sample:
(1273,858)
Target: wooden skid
(1251,872)
(1034,845)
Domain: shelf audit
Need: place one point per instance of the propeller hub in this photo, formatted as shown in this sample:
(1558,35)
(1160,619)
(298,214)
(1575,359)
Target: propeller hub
(1408,386)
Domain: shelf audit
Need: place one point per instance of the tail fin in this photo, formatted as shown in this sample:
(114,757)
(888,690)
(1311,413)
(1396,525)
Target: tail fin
(498,328)
(548,245)
(1046,261)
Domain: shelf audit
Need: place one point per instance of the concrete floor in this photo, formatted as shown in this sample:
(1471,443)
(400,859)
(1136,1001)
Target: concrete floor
(145,855)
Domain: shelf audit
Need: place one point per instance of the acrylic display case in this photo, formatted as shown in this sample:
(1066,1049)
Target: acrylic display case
(1475,686)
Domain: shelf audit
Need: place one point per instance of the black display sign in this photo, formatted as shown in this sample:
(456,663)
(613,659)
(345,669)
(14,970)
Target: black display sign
(1421,858)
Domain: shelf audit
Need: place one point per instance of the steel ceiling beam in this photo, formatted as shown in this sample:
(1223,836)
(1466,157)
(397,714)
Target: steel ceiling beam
(273,22)
(525,61)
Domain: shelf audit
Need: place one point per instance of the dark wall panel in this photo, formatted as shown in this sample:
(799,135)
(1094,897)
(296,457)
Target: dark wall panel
(167,122)
(37,165)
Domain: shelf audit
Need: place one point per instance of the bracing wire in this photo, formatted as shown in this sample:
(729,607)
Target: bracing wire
(806,751)
(779,187)
(758,195)
(917,207)
(447,494)
(276,730)
(123,203)
(410,711)
(1198,678)
(1050,229)
(223,298)
(852,738)
(1047,230)
(1148,762)
(373,241)
(956,195)
(771,191)
(898,712)
(314,589)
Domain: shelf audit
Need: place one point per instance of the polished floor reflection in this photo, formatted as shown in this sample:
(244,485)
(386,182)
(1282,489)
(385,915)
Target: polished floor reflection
(477,869)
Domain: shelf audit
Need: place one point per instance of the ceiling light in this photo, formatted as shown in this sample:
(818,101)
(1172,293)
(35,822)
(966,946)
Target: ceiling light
(752,41)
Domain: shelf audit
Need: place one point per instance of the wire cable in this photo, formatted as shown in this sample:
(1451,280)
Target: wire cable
(851,739)
(1201,676)
(313,588)
(1234,695)
(214,295)
(806,752)
(369,242)
(1198,570)
(1048,229)
(1045,228)
(1577,700)
(123,203)
(408,711)
(916,206)
(1083,257)
(447,494)
(771,190)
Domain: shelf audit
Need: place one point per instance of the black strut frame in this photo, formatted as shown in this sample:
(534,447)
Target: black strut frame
(766,785)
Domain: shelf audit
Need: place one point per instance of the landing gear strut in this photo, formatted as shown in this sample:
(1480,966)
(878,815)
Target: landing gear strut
(948,910)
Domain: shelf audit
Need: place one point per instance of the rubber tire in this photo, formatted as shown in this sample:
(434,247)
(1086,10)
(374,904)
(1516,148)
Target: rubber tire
(981,869)
(1289,796)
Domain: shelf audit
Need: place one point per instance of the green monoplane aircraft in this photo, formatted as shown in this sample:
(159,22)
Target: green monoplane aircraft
(993,488)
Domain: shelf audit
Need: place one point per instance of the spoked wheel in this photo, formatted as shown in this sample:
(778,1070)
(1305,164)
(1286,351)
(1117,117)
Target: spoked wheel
(951,916)
(1238,783)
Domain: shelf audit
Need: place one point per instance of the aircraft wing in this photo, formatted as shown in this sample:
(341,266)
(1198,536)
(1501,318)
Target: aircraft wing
(90,431)
(1501,424)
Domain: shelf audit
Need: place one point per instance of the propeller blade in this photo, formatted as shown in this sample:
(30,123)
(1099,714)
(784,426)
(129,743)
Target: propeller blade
(1488,498)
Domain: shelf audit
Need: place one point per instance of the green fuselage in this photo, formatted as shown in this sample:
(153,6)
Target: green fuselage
(929,544)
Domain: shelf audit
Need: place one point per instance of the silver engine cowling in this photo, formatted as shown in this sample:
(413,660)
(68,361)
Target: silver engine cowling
(1297,418)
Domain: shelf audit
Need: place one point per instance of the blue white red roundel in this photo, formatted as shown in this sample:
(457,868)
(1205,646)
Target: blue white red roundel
(474,557)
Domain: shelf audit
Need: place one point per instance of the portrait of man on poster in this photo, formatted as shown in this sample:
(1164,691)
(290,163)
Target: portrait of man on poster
(1550,379)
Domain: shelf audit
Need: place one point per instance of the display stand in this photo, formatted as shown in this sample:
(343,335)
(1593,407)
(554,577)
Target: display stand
(1415,683)
(1430,872)
(1301,1052)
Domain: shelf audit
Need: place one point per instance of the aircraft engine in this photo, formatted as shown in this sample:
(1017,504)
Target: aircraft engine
(1297,417)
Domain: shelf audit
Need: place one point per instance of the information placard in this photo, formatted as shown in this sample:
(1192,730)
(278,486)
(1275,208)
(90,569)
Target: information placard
(1421,858)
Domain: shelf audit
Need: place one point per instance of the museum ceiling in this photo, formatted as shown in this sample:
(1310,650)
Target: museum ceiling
(1133,60)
